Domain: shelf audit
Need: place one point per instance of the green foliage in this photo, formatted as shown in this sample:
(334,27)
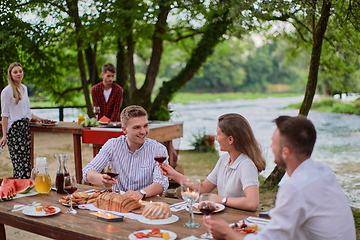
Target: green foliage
(203,142)
(332,105)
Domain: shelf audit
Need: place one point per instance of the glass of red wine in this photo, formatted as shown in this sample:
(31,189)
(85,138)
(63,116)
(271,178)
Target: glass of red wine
(70,186)
(110,172)
(207,206)
(160,158)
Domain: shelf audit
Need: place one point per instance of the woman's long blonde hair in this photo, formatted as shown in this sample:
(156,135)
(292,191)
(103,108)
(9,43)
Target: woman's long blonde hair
(237,126)
(16,92)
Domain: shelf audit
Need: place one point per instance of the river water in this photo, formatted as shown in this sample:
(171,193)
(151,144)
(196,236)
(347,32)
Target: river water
(338,142)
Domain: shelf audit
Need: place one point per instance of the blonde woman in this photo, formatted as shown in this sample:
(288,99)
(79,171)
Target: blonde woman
(15,115)
(236,172)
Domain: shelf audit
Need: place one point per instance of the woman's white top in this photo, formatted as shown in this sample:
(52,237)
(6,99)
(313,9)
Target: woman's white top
(232,180)
(14,111)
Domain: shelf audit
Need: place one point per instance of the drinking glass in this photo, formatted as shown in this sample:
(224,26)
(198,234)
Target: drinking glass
(190,189)
(109,171)
(207,206)
(70,186)
(160,158)
(97,112)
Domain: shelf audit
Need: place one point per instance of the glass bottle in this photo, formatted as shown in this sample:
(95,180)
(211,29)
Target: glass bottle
(62,171)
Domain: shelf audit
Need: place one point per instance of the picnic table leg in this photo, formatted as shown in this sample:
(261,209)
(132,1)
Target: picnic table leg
(77,157)
(2,232)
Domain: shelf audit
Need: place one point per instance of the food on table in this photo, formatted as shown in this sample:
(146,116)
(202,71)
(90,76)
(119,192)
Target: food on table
(10,187)
(141,235)
(81,198)
(39,208)
(47,121)
(243,227)
(48,208)
(155,232)
(116,202)
(90,122)
(32,120)
(157,210)
(104,120)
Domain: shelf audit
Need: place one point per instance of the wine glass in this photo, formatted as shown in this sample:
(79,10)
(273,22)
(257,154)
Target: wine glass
(207,206)
(160,158)
(97,112)
(190,189)
(70,186)
(108,170)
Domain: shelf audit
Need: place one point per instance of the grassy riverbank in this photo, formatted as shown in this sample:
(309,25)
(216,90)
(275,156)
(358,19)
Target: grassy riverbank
(199,165)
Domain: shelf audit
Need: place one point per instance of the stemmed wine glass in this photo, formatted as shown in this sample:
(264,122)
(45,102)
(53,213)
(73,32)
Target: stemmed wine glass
(190,189)
(109,171)
(160,158)
(207,206)
(70,186)
(97,112)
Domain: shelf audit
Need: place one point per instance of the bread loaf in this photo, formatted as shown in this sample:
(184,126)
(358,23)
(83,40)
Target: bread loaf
(116,202)
(157,210)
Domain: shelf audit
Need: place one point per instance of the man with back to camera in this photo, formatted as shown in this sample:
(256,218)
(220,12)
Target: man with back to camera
(133,158)
(311,204)
(108,95)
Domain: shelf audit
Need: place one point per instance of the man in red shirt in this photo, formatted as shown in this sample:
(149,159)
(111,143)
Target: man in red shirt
(108,95)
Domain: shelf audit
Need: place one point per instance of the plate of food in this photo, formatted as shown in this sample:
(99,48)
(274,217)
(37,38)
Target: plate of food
(247,227)
(153,234)
(171,219)
(79,198)
(41,211)
(48,122)
(218,208)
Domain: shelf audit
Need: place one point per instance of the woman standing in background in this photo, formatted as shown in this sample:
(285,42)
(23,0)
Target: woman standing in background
(15,117)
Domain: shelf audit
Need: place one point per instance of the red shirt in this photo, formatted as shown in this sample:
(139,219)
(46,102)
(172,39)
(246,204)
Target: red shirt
(111,108)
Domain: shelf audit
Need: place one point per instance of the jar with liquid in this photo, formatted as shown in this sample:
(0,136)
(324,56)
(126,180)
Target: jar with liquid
(42,178)
(62,171)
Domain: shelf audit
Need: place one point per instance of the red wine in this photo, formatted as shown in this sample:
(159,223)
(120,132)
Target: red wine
(60,182)
(207,208)
(111,174)
(70,189)
(160,159)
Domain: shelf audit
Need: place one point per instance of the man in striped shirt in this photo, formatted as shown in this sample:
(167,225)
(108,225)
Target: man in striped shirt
(133,158)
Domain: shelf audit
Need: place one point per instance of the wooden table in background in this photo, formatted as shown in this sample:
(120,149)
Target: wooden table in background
(83,225)
(161,131)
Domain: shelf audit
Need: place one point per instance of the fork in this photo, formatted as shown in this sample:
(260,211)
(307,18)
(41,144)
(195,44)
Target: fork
(21,207)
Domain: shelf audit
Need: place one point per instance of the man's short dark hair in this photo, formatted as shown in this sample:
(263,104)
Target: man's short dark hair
(298,133)
(108,67)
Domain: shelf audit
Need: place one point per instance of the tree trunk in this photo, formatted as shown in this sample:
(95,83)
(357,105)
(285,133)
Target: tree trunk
(318,36)
(212,36)
(73,12)
(143,96)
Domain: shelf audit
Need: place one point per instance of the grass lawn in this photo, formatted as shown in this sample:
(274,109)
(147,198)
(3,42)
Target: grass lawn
(199,165)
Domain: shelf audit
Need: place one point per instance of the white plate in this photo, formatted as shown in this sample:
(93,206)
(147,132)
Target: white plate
(219,206)
(31,211)
(68,205)
(171,219)
(172,235)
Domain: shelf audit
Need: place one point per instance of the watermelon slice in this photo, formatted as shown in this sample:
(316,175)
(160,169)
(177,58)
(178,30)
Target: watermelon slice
(23,185)
(10,187)
(104,120)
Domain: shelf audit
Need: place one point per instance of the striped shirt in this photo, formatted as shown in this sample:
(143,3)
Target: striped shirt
(137,170)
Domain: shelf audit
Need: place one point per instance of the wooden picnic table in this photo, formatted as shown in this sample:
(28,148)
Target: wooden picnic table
(160,131)
(84,225)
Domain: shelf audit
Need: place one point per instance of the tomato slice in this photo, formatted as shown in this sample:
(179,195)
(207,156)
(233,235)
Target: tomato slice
(140,235)
(155,230)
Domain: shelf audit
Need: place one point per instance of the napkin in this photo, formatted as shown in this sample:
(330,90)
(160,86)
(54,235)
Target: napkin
(19,207)
(192,237)
(91,207)
(178,206)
